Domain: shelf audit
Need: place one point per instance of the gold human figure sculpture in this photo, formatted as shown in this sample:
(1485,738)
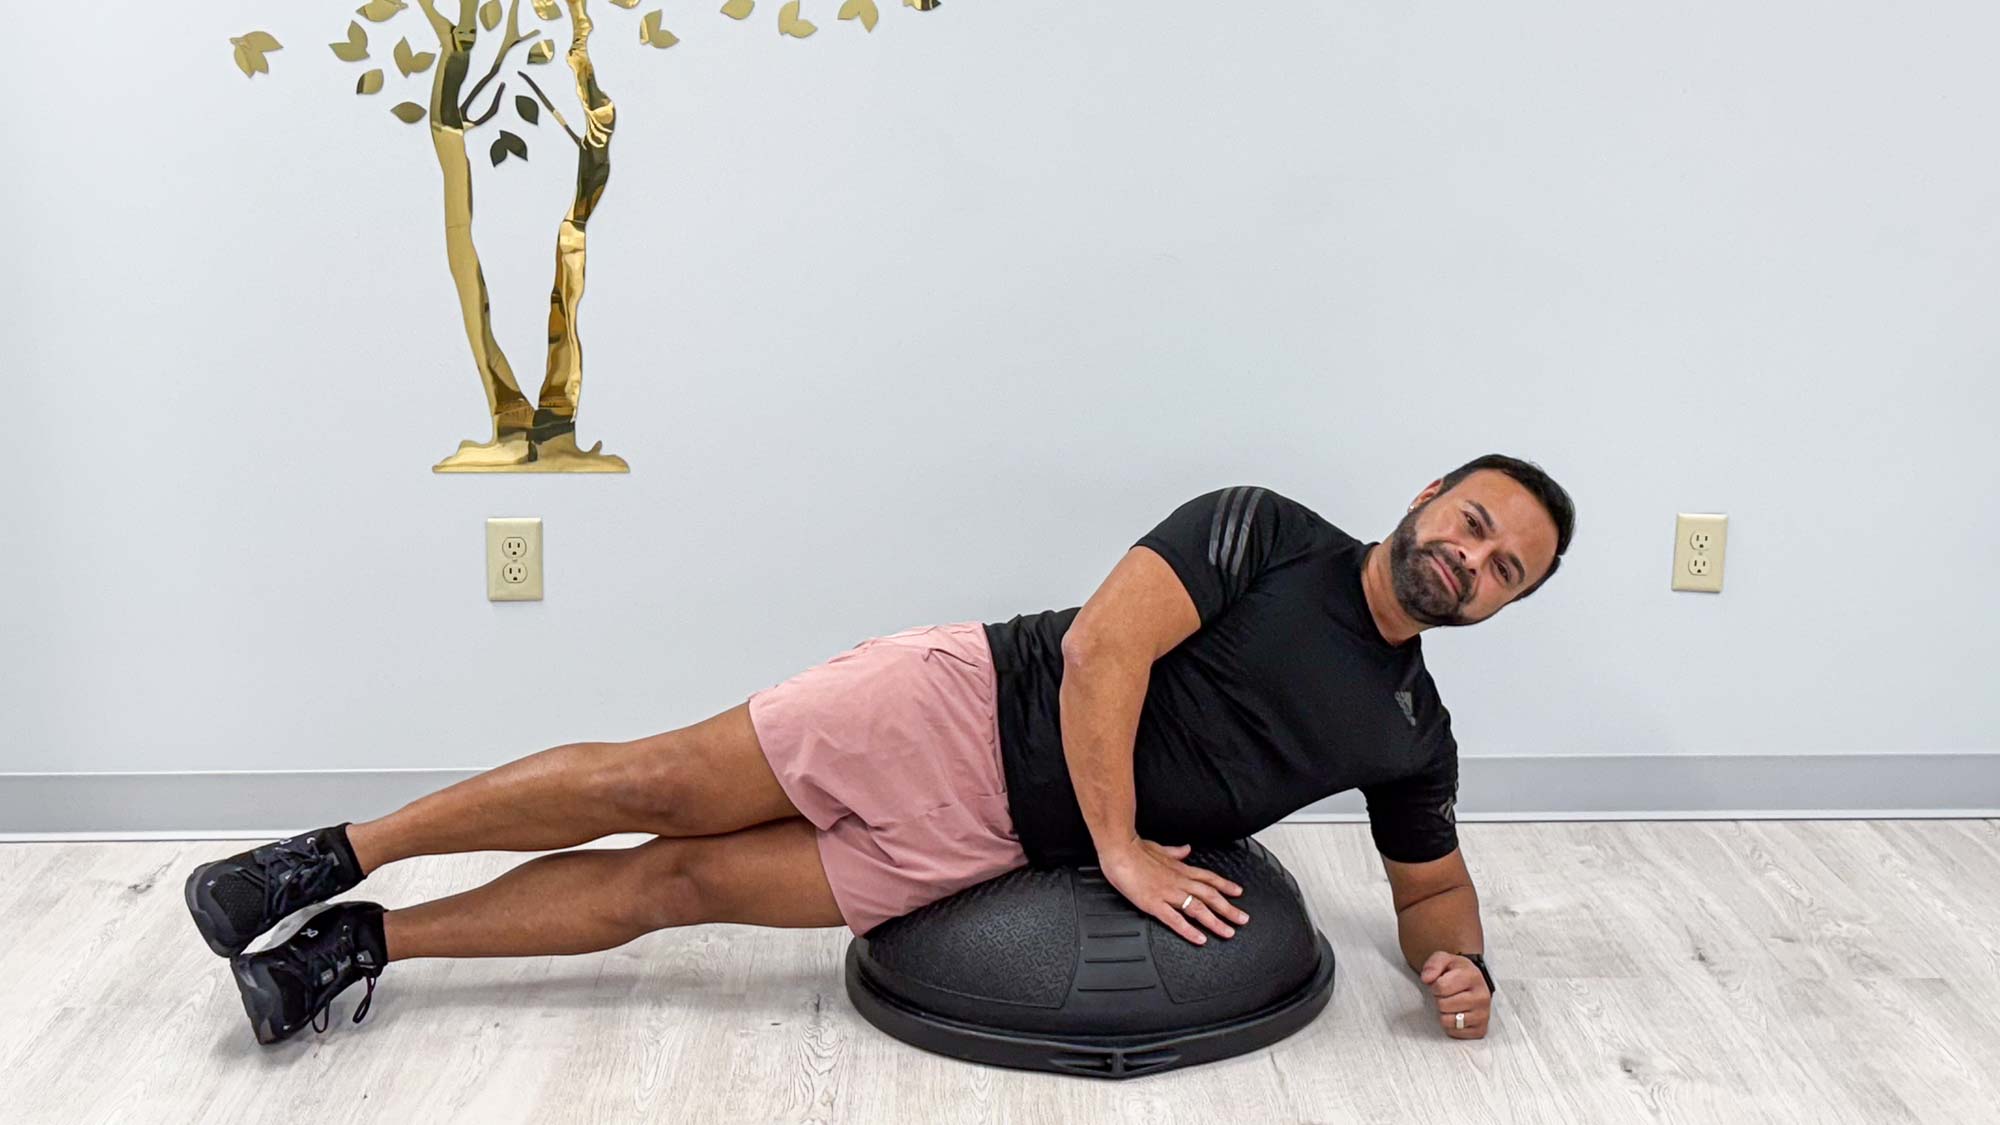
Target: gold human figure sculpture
(538,438)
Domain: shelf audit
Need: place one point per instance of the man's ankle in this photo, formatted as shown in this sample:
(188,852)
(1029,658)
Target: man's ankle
(337,840)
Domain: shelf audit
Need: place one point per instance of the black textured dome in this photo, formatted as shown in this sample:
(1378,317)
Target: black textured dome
(1051,969)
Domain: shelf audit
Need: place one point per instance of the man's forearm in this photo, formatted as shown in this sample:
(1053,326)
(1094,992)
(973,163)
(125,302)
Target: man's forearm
(1099,703)
(1448,920)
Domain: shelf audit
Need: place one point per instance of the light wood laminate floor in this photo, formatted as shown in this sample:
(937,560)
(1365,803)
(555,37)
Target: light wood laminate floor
(1683,971)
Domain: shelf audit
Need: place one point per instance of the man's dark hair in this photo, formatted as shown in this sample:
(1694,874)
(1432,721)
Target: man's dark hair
(1560,508)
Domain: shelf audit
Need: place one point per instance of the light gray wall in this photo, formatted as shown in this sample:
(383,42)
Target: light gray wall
(929,325)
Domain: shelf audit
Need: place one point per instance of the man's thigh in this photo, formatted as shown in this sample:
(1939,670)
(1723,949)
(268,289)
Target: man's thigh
(768,875)
(708,778)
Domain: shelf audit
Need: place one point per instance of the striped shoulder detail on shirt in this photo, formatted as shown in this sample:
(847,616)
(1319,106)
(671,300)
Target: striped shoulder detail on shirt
(1229,531)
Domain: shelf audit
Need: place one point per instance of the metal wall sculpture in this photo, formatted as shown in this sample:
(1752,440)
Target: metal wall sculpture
(538,436)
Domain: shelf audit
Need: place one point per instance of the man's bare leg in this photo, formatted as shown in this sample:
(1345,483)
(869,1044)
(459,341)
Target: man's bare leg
(700,780)
(585,901)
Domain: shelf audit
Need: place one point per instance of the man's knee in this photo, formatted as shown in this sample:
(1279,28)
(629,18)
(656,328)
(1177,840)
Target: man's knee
(652,782)
(768,875)
(701,780)
(664,885)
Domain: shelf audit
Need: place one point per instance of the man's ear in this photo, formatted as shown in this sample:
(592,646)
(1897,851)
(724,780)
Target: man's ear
(1430,492)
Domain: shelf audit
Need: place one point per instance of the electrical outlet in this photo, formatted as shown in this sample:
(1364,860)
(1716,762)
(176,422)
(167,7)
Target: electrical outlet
(514,560)
(1700,540)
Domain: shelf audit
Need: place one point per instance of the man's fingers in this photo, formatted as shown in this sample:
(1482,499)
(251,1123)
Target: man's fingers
(1433,965)
(1212,879)
(1201,911)
(1475,1026)
(1206,902)
(1456,980)
(1466,1001)
(1222,907)
(1174,921)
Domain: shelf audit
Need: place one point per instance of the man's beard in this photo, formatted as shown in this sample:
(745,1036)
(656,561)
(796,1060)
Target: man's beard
(1423,592)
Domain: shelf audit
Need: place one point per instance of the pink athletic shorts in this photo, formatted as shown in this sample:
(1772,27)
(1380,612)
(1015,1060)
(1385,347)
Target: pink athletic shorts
(892,750)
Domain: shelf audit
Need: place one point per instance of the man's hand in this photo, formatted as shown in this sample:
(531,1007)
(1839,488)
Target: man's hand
(1457,986)
(1152,877)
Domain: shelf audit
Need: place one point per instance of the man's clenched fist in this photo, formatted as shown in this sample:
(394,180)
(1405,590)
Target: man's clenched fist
(1457,986)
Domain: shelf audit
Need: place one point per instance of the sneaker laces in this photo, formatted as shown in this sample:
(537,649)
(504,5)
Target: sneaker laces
(308,874)
(336,960)
(360,1009)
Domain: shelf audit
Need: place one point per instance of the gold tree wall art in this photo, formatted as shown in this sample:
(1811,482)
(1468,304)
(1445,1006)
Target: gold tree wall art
(538,436)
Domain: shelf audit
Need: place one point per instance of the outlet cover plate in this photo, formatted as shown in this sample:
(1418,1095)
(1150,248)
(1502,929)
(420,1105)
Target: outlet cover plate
(1700,540)
(514,542)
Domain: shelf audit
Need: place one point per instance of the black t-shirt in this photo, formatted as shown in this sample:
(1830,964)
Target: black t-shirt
(1285,694)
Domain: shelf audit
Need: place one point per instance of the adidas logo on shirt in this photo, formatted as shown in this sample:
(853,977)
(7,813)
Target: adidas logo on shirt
(1409,709)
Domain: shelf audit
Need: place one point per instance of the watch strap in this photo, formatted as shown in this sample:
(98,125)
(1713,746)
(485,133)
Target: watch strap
(1479,959)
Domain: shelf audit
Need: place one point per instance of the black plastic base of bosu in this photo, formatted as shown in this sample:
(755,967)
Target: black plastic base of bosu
(1052,969)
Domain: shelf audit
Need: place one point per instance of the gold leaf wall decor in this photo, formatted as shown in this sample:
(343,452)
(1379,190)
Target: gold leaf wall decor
(546,9)
(489,14)
(651,32)
(541,52)
(508,145)
(738,9)
(371,82)
(409,112)
(790,24)
(626,3)
(411,62)
(922,5)
(375,11)
(863,10)
(356,47)
(250,52)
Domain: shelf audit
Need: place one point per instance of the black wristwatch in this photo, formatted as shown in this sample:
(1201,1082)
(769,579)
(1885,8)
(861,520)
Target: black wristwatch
(1479,959)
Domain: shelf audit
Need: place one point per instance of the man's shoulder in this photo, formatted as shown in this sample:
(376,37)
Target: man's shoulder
(1303,526)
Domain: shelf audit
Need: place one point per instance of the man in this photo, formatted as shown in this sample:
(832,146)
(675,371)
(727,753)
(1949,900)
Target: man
(1244,659)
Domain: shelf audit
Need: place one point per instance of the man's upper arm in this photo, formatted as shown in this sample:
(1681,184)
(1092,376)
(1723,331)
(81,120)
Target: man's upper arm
(1220,542)
(1189,568)
(1413,819)
(1141,609)
(1414,882)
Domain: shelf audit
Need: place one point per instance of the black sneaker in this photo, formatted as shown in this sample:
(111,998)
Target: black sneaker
(292,984)
(233,900)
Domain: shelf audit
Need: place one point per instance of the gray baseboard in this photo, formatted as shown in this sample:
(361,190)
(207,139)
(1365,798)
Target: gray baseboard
(1714,787)
(255,804)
